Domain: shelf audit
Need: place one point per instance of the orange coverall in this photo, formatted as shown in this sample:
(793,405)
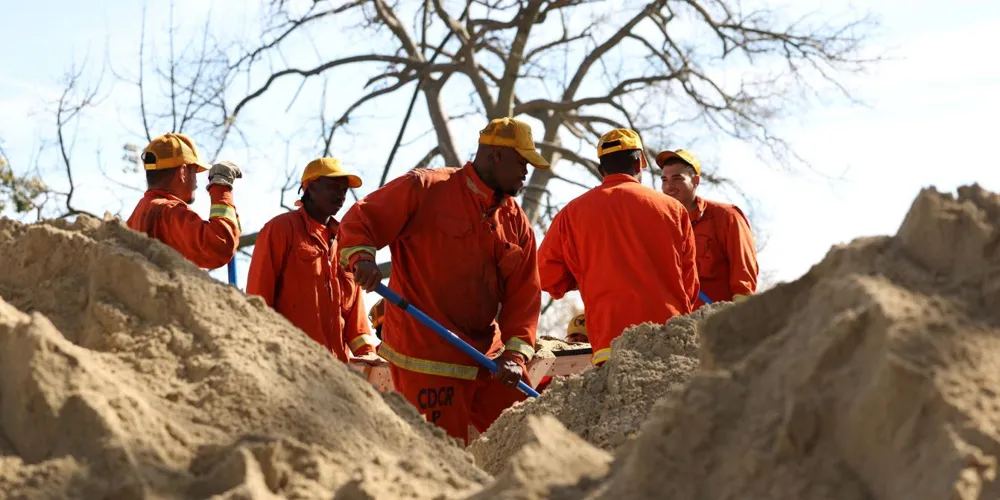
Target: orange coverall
(209,244)
(727,257)
(631,252)
(466,257)
(296,270)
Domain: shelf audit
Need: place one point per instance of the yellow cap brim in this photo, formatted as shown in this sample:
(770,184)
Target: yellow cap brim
(353,181)
(533,158)
(201,167)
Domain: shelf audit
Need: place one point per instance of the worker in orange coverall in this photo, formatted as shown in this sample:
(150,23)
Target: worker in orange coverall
(171,163)
(462,250)
(377,317)
(628,248)
(727,257)
(296,269)
(576,333)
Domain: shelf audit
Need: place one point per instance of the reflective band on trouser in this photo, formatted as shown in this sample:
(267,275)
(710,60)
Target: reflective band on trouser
(224,211)
(361,341)
(346,253)
(426,366)
(517,345)
(601,356)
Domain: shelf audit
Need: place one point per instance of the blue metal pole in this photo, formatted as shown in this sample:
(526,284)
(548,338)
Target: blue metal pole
(704,298)
(232,271)
(446,334)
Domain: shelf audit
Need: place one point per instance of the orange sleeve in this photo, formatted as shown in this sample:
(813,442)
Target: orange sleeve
(521,303)
(267,262)
(357,333)
(555,276)
(377,219)
(209,244)
(742,253)
(689,259)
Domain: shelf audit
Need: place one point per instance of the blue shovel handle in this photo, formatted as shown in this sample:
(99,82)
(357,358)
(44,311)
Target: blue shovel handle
(704,298)
(446,334)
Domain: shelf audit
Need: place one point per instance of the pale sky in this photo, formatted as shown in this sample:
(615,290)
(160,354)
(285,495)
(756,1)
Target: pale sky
(929,120)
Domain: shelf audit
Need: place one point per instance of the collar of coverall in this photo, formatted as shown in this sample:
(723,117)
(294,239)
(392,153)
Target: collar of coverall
(618,179)
(699,209)
(476,185)
(160,193)
(317,229)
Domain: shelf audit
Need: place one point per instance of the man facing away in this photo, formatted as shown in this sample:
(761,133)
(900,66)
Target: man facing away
(172,164)
(629,249)
(463,252)
(727,257)
(296,269)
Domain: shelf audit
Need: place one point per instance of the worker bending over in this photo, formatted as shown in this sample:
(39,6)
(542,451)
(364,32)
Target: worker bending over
(296,269)
(727,257)
(172,164)
(462,249)
(576,333)
(377,316)
(627,248)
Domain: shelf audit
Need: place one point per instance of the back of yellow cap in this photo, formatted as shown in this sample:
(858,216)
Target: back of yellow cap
(171,150)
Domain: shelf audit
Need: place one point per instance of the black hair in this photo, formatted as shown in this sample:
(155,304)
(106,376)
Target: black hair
(621,162)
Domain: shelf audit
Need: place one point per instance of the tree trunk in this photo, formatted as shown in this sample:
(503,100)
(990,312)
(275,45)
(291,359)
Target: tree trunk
(432,91)
(539,181)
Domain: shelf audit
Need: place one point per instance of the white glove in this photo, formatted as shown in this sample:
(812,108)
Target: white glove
(224,173)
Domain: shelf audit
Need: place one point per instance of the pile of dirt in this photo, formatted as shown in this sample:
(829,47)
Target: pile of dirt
(126,372)
(873,376)
(605,406)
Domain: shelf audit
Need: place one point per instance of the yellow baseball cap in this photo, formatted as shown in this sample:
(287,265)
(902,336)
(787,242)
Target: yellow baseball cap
(577,325)
(620,139)
(328,167)
(171,151)
(510,133)
(682,154)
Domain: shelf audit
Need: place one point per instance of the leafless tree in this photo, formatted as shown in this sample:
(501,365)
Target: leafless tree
(179,88)
(580,67)
(21,193)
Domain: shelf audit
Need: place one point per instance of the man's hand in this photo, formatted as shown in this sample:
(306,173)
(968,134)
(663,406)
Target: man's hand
(510,367)
(370,359)
(367,274)
(224,173)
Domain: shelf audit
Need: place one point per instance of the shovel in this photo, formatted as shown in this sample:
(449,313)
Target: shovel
(446,334)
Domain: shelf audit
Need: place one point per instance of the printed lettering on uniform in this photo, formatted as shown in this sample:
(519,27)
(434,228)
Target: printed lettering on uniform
(433,398)
(430,398)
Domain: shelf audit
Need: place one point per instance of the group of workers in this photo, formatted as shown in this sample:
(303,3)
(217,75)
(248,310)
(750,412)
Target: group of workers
(464,253)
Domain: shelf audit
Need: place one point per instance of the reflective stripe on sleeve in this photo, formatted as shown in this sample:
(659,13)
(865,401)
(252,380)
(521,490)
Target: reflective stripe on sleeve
(600,357)
(346,253)
(517,345)
(363,340)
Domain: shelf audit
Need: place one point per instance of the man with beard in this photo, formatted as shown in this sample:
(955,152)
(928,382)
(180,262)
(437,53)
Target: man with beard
(463,252)
(171,163)
(727,256)
(296,270)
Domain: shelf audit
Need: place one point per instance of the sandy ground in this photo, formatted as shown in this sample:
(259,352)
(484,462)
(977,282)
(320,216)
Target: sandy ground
(127,373)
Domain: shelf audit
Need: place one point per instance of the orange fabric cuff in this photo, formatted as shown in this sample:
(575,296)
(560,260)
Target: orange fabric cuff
(365,349)
(358,257)
(220,194)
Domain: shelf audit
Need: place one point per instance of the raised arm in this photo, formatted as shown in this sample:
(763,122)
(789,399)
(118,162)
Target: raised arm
(209,244)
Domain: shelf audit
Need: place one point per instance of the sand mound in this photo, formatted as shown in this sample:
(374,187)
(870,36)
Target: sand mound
(605,406)
(126,372)
(873,376)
